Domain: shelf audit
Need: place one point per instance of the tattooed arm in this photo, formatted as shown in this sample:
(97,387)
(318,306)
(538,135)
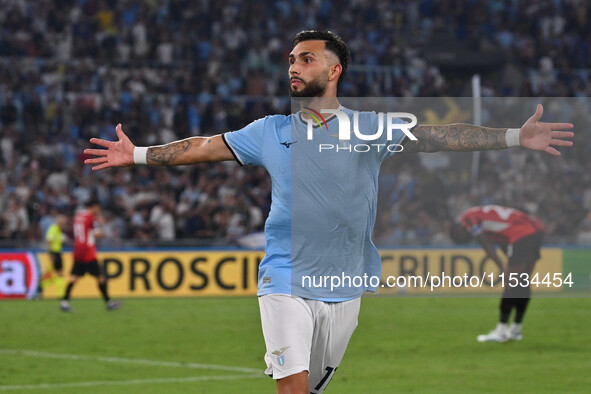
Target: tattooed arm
(534,135)
(455,137)
(188,151)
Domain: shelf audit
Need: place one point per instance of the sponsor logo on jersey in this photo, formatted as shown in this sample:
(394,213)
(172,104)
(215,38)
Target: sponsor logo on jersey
(287,144)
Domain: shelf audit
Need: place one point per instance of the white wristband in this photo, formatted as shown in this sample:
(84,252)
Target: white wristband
(140,155)
(512,137)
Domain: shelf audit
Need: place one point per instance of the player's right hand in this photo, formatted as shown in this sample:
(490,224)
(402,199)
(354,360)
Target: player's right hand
(536,135)
(118,153)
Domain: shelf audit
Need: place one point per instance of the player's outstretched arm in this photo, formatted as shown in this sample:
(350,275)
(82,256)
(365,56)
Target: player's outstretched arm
(489,248)
(533,135)
(188,151)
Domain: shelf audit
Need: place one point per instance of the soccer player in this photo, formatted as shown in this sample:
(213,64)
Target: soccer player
(86,232)
(331,204)
(55,238)
(520,237)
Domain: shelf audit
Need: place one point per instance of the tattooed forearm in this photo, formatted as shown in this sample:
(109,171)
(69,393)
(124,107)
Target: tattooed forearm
(167,155)
(456,137)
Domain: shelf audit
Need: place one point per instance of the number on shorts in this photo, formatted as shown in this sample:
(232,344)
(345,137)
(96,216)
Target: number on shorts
(326,378)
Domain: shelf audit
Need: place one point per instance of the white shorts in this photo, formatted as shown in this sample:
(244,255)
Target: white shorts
(306,335)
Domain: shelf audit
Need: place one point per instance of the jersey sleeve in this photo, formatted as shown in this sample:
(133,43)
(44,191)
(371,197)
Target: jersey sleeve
(246,144)
(473,225)
(51,233)
(393,145)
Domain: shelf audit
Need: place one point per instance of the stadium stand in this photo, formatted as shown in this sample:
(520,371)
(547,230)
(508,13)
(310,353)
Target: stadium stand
(171,69)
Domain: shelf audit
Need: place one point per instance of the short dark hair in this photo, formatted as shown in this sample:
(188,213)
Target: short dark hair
(333,43)
(459,234)
(91,202)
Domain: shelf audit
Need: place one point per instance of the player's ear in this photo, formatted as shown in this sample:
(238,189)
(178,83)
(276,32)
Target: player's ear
(335,72)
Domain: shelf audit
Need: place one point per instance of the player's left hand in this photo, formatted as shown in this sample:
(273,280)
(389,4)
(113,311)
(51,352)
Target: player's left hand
(542,136)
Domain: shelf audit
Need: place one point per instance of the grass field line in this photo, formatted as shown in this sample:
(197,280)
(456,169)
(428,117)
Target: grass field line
(155,363)
(190,379)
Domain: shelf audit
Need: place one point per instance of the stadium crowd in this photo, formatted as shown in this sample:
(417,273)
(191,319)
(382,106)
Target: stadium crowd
(170,69)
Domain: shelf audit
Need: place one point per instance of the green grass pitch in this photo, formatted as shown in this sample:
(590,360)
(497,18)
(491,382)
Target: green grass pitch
(215,345)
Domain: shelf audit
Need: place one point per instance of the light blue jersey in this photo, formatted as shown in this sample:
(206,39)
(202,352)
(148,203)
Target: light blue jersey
(324,201)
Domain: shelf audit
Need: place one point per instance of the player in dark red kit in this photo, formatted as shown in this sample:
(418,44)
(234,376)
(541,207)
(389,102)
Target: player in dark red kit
(520,237)
(86,232)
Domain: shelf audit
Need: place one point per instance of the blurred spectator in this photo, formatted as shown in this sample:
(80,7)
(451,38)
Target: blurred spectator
(15,220)
(162,219)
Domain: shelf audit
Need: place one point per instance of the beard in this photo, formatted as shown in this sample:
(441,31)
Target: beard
(313,88)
